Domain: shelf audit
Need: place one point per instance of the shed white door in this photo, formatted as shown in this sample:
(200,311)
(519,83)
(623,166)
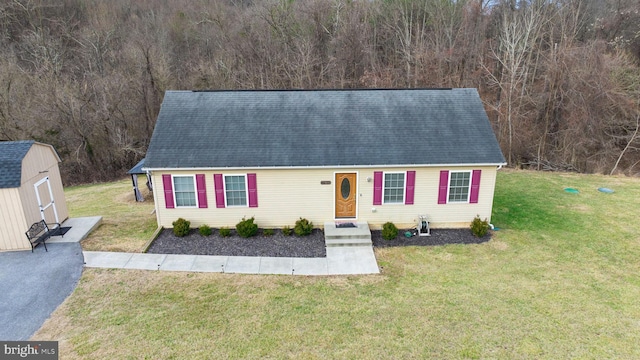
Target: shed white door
(46,201)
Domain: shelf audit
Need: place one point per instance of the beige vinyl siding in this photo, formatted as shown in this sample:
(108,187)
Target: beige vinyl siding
(40,162)
(19,206)
(13,225)
(284,195)
(455,215)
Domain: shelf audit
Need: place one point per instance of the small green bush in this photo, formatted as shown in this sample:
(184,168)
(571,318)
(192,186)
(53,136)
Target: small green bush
(247,228)
(181,227)
(204,230)
(267,232)
(479,228)
(303,227)
(389,231)
(225,231)
(286,230)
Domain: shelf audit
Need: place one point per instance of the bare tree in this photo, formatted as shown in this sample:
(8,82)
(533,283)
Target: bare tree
(559,77)
(520,31)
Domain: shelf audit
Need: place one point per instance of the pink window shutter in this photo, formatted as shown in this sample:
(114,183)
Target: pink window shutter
(168,191)
(252,186)
(411,184)
(444,186)
(202,191)
(377,188)
(475,186)
(219,187)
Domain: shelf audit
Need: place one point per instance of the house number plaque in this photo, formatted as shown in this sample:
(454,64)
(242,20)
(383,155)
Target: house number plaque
(325,182)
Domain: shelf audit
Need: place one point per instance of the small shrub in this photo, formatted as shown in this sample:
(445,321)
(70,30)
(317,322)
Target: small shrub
(225,231)
(479,228)
(267,232)
(204,230)
(247,228)
(286,230)
(389,231)
(181,227)
(303,227)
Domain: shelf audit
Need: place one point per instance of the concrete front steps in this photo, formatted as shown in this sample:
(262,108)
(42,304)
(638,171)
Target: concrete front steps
(347,236)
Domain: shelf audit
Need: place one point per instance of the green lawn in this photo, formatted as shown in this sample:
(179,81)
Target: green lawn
(559,280)
(127,225)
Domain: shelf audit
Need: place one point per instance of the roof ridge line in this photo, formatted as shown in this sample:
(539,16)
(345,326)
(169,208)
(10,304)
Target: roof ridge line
(317,90)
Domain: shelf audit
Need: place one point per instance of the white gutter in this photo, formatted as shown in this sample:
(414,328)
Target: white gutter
(321,167)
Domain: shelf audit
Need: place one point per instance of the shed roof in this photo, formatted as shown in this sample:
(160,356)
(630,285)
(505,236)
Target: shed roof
(321,128)
(11,155)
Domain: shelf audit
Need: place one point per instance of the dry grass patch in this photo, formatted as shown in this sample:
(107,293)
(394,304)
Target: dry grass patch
(498,245)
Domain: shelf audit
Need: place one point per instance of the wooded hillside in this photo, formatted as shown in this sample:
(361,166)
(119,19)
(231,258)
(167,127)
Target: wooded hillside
(560,79)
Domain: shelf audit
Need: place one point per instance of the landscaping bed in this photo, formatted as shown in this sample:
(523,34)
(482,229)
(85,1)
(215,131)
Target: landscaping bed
(438,237)
(279,245)
(276,245)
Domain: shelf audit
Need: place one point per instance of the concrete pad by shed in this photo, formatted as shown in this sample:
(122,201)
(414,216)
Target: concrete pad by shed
(102,259)
(243,265)
(178,262)
(276,265)
(80,228)
(204,263)
(145,261)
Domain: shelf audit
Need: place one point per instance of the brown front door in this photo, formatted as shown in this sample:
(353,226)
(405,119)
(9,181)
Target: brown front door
(346,195)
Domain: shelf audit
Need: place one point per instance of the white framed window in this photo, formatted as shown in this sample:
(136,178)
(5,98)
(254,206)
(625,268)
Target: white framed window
(459,186)
(393,188)
(235,190)
(184,190)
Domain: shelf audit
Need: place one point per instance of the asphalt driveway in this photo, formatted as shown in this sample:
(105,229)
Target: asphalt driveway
(33,285)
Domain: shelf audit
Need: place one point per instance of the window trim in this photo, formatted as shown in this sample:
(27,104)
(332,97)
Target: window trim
(246,191)
(451,172)
(404,187)
(195,191)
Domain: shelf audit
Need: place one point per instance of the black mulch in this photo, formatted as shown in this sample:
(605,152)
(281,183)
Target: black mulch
(438,237)
(278,245)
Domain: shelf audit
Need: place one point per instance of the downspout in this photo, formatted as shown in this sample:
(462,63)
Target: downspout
(491,225)
(149,177)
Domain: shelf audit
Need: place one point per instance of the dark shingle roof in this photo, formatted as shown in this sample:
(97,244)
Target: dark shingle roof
(137,169)
(11,155)
(272,128)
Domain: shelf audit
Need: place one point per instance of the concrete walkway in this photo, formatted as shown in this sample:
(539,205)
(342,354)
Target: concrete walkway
(347,260)
(32,285)
(342,260)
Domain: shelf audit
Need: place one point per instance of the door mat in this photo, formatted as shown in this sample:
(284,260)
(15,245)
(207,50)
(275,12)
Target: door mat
(346,225)
(61,231)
